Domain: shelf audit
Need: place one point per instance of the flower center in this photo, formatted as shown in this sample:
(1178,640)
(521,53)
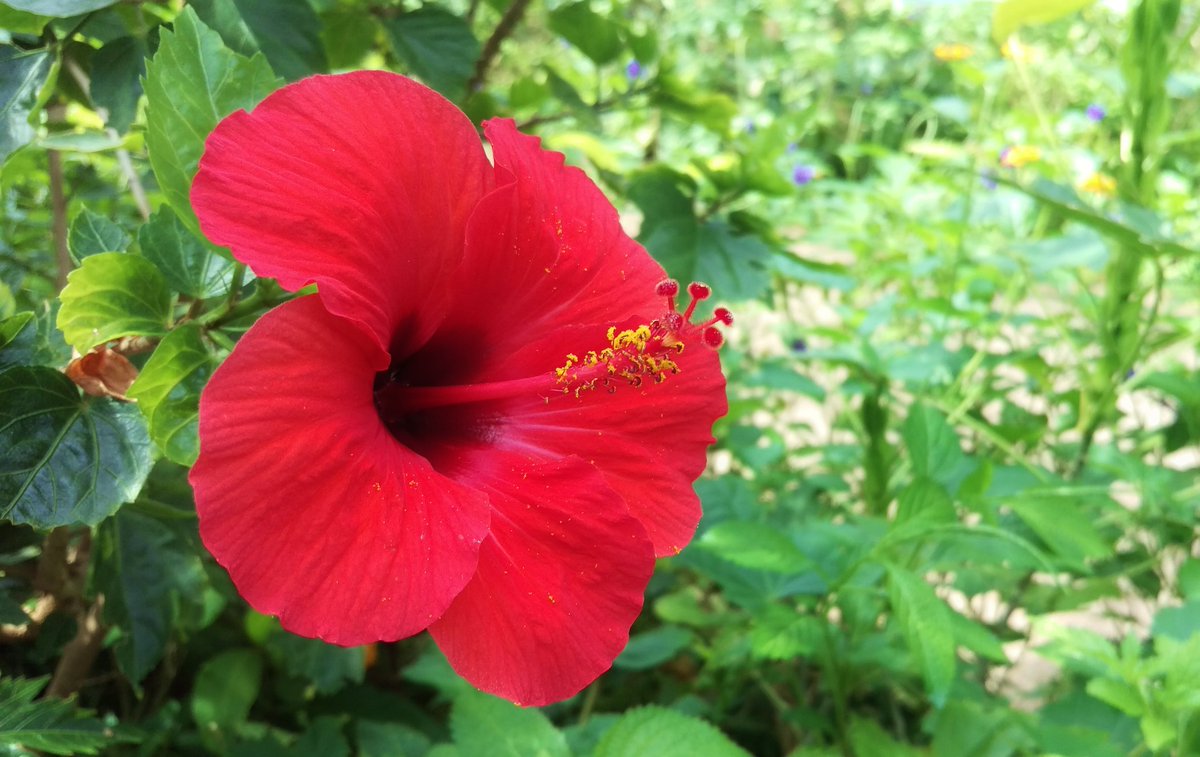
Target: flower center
(419,412)
(645,351)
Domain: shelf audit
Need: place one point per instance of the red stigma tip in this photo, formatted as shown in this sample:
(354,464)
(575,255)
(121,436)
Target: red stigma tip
(724,316)
(713,337)
(667,288)
(699,291)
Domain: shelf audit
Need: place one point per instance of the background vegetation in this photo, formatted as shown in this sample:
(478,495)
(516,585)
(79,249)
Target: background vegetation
(952,510)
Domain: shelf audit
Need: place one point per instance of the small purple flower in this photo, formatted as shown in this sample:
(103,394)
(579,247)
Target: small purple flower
(867,89)
(987,179)
(750,127)
(1129,374)
(792,147)
(799,345)
(633,71)
(803,174)
(1096,113)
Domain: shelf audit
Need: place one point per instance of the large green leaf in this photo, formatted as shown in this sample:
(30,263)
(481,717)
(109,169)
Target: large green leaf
(168,392)
(67,459)
(1011,15)
(110,296)
(226,686)
(756,546)
(933,447)
(288,32)
(22,75)
(145,572)
(47,725)
(190,265)
(60,8)
(92,233)
(1063,525)
(733,264)
(192,82)
(483,724)
(117,70)
(437,46)
(597,36)
(923,621)
(656,730)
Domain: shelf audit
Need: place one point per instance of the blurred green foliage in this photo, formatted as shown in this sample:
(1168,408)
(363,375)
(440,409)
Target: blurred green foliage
(951,512)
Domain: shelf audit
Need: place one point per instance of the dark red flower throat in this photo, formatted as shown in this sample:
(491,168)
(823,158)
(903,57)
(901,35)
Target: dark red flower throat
(419,405)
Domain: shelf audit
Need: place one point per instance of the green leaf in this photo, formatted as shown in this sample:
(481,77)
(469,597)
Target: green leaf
(117,71)
(867,738)
(10,610)
(378,739)
(66,459)
(483,724)
(925,500)
(145,572)
(933,446)
(168,392)
(286,31)
(756,546)
(92,234)
(595,35)
(651,648)
(328,667)
(1063,525)
(780,633)
(60,8)
(226,687)
(694,104)
(657,730)
(734,265)
(348,35)
(437,46)
(56,726)
(110,296)
(1011,15)
(18,340)
(923,621)
(190,265)
(1118,694)
(193,82)
(21,22)
(22,75)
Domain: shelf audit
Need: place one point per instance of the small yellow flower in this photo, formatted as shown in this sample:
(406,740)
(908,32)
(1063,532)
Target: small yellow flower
(1019,156)
(953,51)
(1099,184)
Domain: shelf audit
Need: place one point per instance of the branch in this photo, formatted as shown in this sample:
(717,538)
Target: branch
(508,23)
(58,229)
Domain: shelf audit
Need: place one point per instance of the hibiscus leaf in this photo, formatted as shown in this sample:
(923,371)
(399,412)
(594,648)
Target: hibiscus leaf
(190,265)
(67,459)
(145,570)
(92,233)
(22,75)
(657,730)
(110,296)
(192,82)
(117,70)
(733,264)
(54,726)
(286,31)
(226,687)
(60,8)
(596,36)
(924,623)
(168,393)
(483,724)
(437,46)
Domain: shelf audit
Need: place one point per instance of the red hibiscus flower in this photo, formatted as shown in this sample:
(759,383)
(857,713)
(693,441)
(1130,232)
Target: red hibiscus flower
(485,423)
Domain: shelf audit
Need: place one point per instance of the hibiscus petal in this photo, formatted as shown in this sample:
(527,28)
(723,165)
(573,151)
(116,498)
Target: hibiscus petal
(561,579)
(320,516)
(545,249)
(361,182)
(648,441)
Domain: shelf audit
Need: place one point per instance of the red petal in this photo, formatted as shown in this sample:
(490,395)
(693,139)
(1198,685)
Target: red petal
(362,183)
(543,251)
(561,579)
(649,442)
(317,512)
